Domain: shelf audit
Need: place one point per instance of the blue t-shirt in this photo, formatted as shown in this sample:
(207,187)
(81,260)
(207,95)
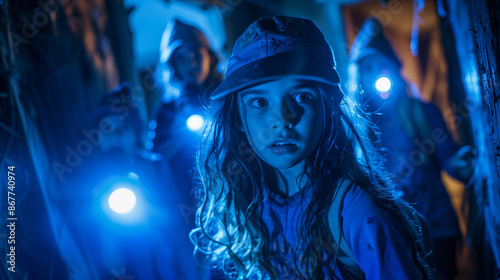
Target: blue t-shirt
(380,244)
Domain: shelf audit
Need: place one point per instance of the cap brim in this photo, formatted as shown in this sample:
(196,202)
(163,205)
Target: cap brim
(272,68)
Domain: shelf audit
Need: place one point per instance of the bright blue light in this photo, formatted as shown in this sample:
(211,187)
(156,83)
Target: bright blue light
(149,144)
(151,134)
(195,122)
(152,125)
(122,200)
(133,176)
(383,84)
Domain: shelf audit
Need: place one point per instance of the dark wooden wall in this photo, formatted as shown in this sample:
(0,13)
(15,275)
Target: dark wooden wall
(476,26)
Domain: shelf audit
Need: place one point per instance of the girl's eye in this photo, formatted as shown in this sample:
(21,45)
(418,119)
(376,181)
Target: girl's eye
(302,97)
(258,102)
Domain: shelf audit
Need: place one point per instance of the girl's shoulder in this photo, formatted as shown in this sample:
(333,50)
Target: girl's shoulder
(376,238)
(355,215)
(350,198)
(356,197)
(358,205)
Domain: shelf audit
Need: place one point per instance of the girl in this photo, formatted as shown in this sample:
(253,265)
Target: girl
(283,191)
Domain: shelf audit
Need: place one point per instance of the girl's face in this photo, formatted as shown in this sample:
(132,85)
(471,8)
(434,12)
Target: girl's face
(283,119)
(193,65)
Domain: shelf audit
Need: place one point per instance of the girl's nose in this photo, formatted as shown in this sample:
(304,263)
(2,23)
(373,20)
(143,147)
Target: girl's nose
(193,60)
(280,123)
(287,117)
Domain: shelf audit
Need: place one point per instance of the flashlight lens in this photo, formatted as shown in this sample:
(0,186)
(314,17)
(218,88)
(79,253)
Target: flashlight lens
(383,84)
(195,122)
(122,200)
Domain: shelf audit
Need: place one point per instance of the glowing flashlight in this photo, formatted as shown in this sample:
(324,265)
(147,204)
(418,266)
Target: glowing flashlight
(122,200)
(383,84)
(195,122)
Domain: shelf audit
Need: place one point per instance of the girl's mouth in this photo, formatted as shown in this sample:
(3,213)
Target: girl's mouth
(283,147)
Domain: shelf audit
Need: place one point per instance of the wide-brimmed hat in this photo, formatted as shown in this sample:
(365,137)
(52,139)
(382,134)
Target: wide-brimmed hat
(178,34)
(277,47)
(371,41)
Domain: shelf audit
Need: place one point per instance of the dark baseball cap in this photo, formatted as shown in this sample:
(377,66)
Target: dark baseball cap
(272,48)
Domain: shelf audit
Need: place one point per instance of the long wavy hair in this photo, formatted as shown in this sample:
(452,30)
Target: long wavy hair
(230,232)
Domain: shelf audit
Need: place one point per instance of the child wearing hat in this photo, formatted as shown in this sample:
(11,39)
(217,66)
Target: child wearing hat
(414,140)
(142,243)
(287,186)
(187,69)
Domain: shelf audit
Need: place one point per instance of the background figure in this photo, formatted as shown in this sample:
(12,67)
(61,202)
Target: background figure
(139,243)
(188,69)
(414,140)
